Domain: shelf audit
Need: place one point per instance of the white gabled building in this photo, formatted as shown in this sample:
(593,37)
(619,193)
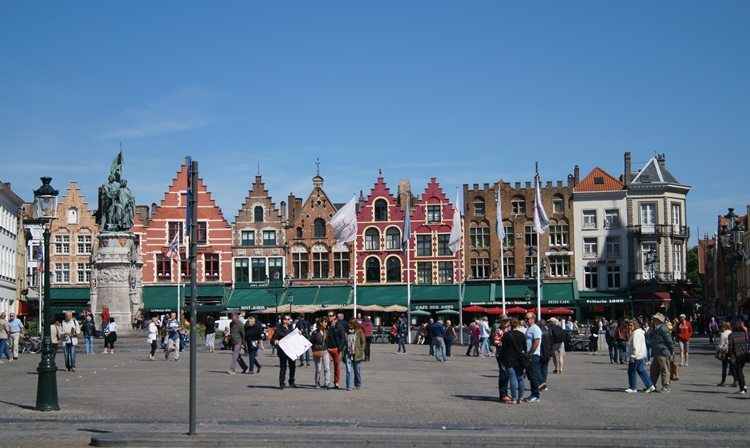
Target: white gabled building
(10,267)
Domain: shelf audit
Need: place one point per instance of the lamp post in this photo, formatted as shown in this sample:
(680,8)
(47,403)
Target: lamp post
(291,299)
(651,261)
(731,240)
(276,287)
(45,199)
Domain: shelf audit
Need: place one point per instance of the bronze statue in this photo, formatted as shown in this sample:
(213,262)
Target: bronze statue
(117,200)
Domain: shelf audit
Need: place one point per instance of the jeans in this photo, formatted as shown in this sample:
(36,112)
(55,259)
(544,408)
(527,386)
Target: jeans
(89,340)
(70,355)
(724,364)
(739,374)
(432,346)
(484,343)
(535,374)
(612,346)
(638,366)
(304,358)
(543,368)
(237,358)
(401,345)
(368,341)
(515,376)
(502,380)
(622,347)
(440,349)
(4,349)
(353,373)
(448,345)
(284,360)
(323,363)
(468,350)
(253,362)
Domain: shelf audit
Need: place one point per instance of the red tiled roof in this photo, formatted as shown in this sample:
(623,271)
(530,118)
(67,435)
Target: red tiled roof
(607,182)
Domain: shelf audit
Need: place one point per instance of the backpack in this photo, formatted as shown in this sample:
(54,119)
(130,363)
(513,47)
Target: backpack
(546,343)
(558,334)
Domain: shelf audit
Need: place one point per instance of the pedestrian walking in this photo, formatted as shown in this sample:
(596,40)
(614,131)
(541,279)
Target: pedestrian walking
(662,350)
(449,337)
(153,336)
(110,336)
(721,354)
(237,337)
(284,361)
(4,335)
(355,353)
(210,334)
(254,342)
(738,353)
(321,357)
(637,359)
(366,325)
(514,347)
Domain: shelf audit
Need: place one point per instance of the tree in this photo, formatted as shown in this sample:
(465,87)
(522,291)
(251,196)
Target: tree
(693,264)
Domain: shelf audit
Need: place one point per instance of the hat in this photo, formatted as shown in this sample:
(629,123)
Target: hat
(682,315)
(503,317)
(658,316)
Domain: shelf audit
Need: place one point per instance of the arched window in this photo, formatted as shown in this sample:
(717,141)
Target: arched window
(372,270)
(393,270)
(258,214)
(320,228)
(392,239)
(381,210)
(372,239)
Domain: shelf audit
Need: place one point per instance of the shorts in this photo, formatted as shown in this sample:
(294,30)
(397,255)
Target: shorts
(684,346)
(558,349)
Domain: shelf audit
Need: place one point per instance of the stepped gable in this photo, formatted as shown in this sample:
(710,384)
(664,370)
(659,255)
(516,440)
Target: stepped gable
(258,195)
(380,190)
(433,195)
(599,180)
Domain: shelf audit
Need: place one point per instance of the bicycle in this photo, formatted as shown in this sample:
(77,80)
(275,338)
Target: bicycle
(30,345)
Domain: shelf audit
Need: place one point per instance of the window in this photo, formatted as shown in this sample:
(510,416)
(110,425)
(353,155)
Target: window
(258,269)
(443,248)
(299,265)
(319,230)
(381,210)
(84,272)
(529,266)
(211,265)
(175,228)
(479,237)
(557,206)
(647,268)
(518,206)
(202,233)
(62,244)
(275,265)
(163,268)
(676,219)
(480,267)
(269,237)
(424,246)
(341,264)
(611,219)
(84,244)
(393,239)
(424,273)
(509,267)
(589,219)
(559,266)
(372,270)
(62,272)
(445,272)
(613,246)
(298,232)
(677,261)
(433,213)
(591,277)
(508,240)
(73,216)
(241,270)
(479,206)
(320,265)
(372,239)
(648,218)
(530,235)
(613,276)
(184,265)
(258,214)
(590,249)
(558,235)
(393,270)
(248,238)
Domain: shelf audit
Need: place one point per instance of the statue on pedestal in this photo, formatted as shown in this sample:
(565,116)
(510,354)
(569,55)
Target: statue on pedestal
(118,203)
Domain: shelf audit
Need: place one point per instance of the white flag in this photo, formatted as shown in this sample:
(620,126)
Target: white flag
(500,228)
(541,222)
(454,241)
(344,223)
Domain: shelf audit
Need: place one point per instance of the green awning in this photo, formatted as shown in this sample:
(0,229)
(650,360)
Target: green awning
(593,298)
(382,295)
(72,294)
(434,293)
(334,295)
(161,299)
(516,291)
(476,294)
(559,294)
(247,299)
(301,295)
(216,291)
(207,309)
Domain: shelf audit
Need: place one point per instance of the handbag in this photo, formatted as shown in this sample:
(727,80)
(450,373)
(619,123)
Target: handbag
(525,359)
(674,374)
(721,354)
(317,353)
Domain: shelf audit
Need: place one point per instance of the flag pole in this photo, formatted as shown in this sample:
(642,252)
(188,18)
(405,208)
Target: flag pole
(354,245)
(460,276)
(538,245)
(501,235)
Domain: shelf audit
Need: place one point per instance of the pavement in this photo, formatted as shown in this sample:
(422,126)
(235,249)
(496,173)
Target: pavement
(405,400)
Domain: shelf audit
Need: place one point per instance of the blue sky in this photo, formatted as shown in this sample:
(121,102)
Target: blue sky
(467,92)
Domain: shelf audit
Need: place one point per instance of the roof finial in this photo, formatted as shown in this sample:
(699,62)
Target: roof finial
(258,167)
(317,162)
(380,171)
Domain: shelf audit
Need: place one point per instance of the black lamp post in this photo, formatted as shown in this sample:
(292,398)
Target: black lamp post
(731,240)
(46,391)
(651,261)
(276,287)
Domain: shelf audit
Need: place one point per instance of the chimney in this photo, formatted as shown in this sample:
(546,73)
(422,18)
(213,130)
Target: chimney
(283,212)
(577,174)
(626,177)
(292,207)
(404,193)
(662,159)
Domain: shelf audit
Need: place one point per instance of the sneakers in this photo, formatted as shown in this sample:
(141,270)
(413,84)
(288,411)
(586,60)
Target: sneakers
(741,392)
(532,399)
(631,391)
(258,371)
(542,386)
(686,364)
(230,372)
(664,390)
(177,359)
(650,389)
(722,384)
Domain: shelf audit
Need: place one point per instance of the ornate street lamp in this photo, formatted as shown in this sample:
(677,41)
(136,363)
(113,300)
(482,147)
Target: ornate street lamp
(45,199)
(731,240)
(276,287)
(652,260)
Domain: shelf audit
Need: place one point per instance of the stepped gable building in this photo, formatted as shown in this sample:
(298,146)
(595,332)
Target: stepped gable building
(657,217)
(314,257)
(156,231)
(72,241)
(259,246)
(601,248)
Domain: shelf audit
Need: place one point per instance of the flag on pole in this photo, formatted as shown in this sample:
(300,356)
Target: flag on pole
(541,222)
(500,228)
(174,251)
(40,258)
(454,241)
(344,223)
(407,229)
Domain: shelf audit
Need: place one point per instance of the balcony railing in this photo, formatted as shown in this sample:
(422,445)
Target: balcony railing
(662,277)
(659,230)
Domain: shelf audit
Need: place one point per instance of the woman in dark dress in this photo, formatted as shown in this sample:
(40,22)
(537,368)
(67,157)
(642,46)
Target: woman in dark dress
(449,337)
(514,344)
(594,339)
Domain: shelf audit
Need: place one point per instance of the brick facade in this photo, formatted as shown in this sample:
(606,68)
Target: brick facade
(72,240)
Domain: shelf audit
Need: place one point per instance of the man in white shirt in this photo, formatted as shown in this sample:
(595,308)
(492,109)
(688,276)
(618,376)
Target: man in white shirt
(484,337)
(534,350)
(70,332)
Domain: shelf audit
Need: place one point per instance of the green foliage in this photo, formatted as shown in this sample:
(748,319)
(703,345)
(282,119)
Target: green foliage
(32,327)
(693,265)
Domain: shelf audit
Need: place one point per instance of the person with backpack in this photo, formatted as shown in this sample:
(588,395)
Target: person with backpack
(304,327)
(609,337)
(558,345)
(546,354)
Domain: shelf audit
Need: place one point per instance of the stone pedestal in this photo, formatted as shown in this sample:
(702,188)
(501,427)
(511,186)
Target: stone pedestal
(116,279)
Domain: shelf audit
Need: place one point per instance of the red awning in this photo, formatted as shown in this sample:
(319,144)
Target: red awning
(660,296)
(25,309)
(688,297)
